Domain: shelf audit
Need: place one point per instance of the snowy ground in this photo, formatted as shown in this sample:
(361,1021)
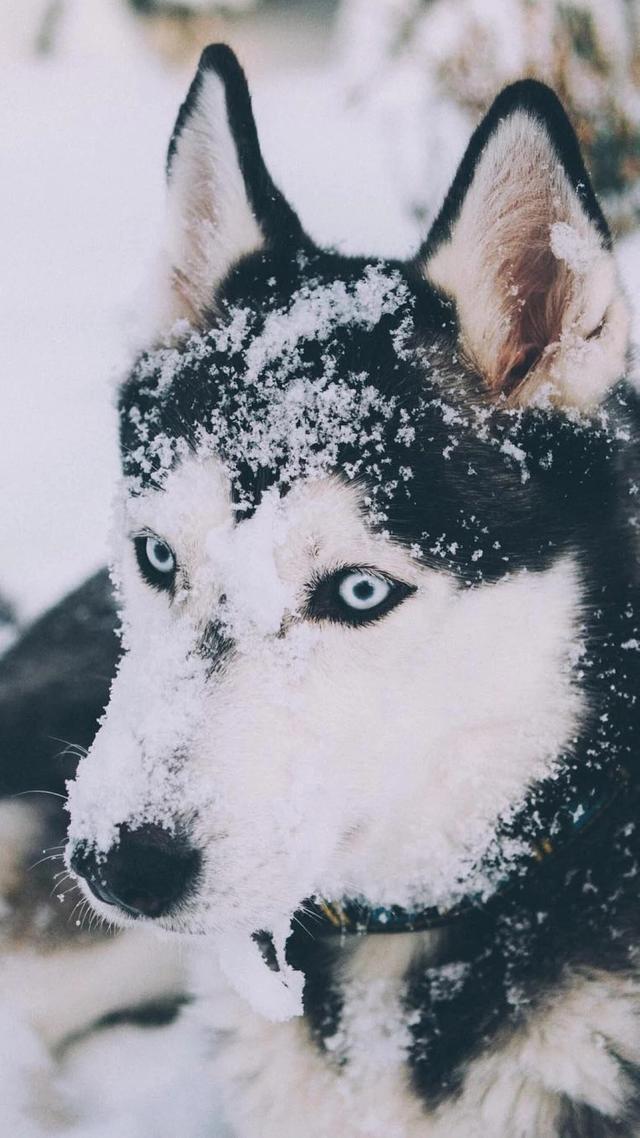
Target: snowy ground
(86,132)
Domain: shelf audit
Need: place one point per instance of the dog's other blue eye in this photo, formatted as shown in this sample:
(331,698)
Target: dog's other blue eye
(363,591)
(156,561)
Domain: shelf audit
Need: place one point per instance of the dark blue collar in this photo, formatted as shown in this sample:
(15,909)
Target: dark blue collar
(569,821)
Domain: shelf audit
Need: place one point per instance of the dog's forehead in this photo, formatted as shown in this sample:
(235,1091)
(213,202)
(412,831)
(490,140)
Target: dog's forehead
(342,375)
(319,518)
(303,387)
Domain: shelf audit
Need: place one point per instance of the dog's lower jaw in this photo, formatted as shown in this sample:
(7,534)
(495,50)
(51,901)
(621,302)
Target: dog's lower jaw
(566,1070)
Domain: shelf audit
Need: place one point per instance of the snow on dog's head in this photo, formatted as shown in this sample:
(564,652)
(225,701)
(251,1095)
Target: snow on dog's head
(356,498)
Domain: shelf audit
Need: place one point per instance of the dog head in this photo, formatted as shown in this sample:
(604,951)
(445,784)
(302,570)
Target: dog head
(366,509)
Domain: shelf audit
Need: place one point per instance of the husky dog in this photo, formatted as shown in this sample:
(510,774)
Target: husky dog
(372,742)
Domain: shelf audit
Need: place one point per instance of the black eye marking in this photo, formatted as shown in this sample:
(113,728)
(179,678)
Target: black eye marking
(156,561)
(597,331)
(355,595)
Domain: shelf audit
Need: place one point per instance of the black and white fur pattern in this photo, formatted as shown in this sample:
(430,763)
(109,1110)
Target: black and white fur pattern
(460,426)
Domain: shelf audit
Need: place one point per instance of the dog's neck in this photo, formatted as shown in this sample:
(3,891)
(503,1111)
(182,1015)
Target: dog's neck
(553,818)
(503,955)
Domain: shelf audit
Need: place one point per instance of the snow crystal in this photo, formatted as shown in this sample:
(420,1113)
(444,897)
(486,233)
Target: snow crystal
(577,250)
(318,310)
(519,455)
(274,402)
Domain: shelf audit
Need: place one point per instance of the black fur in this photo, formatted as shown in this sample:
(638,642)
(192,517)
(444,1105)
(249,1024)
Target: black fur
(154,1014)
(215,645)
(570,915)
(273,213)
(577,1120)
(320,960)
(54,685)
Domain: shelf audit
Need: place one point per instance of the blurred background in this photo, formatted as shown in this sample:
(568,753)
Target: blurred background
(364,108)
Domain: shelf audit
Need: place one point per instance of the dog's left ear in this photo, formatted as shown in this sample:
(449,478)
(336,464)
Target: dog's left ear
(222,202)
(523,249)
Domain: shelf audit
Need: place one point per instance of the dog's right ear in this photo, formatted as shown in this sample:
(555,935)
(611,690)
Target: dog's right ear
(222,201)
(522,248)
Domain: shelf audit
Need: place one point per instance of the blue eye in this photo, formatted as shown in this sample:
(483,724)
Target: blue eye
(363,591)
(156,561)
(355,596)
(159,555)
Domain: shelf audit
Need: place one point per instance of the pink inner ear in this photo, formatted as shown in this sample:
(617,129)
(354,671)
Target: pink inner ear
(537,298)
(531,275)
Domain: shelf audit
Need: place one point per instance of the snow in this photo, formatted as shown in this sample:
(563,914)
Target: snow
(276,996)
(271,415)
(245,556)
(315,311)
(73,232)
(24,1063)
(578,251)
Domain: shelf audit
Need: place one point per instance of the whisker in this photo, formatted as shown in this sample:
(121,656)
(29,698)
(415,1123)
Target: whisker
(303,927)
(95,920)
(73,746)
(81,914)
(78,904)
(310,913)
(49,857)
(60,885)
(52,793)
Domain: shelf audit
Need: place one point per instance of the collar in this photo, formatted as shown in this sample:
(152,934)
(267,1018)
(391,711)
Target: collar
(541,843)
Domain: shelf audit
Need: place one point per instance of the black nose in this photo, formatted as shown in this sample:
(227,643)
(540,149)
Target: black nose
(146,872)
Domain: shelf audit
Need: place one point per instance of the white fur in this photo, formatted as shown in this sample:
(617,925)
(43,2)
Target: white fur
(275,1083)
(273,1080)
(565,1049)
(328,759)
